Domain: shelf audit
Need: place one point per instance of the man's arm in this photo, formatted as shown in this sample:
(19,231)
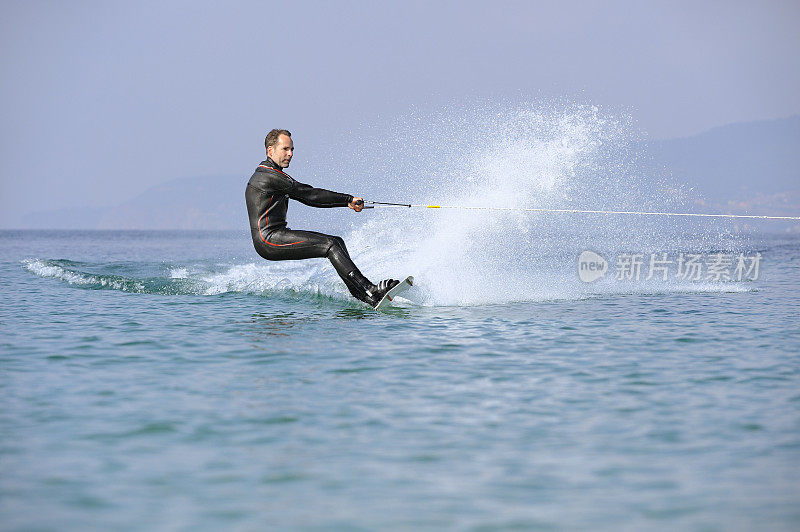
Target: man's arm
(319,197)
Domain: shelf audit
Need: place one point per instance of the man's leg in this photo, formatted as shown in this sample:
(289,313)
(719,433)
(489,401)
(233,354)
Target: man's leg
(287,244)
(356,283)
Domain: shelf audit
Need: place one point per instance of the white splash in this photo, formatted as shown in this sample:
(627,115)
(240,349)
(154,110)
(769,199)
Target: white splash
(521,157)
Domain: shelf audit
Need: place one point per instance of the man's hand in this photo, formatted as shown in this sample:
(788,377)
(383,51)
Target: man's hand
(357,204)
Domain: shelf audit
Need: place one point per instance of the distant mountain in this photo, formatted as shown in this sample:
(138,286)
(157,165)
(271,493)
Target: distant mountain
(185,203)
(744,168)
(736,161)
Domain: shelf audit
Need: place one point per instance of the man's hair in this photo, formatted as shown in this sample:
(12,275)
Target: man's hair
(272,137)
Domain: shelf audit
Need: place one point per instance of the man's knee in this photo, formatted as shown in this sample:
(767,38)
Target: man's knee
(334,244)
(336,241)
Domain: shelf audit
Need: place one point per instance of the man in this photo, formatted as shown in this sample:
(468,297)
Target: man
(267,196)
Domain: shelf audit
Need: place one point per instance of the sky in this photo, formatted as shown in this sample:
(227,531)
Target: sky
(102,100)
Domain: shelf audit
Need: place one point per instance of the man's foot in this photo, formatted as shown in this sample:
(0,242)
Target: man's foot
(364,290)
(383,287)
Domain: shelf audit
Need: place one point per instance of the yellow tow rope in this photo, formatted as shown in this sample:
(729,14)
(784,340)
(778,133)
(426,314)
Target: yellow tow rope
(372,204)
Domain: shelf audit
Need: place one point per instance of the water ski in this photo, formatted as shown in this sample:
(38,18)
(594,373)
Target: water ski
(404,285)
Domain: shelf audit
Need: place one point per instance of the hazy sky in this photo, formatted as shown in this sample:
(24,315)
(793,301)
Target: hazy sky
(101,100)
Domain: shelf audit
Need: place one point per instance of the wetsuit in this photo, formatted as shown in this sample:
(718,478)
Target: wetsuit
(267,195)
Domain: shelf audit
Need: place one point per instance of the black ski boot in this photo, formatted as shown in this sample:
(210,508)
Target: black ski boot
(363,290)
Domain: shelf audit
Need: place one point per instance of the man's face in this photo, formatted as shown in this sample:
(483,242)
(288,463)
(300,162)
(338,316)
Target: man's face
(281,152)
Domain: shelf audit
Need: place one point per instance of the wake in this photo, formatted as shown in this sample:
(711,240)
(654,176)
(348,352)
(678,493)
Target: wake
(194,280)
(299,281)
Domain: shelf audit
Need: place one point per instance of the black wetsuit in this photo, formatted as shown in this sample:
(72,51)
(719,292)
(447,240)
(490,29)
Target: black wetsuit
(267,196)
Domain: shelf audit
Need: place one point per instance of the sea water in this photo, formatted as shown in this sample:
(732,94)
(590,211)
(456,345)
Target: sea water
(175,380)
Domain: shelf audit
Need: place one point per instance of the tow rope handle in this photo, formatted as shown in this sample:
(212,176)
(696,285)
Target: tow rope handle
(373,203)
(361,202)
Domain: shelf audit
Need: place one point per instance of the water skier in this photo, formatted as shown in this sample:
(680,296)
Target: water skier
(267,196)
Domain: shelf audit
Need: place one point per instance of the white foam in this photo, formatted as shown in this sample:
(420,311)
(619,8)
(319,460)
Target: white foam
(179,273)
(310,276)
(48,269)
